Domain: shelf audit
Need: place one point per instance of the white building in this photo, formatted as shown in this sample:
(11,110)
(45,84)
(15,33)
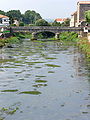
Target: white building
(4,20)
(73,20)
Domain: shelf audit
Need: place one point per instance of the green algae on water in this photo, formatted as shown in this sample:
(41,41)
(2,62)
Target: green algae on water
(9,111)
(51,72)
(30,92)
(41,81)
(9,90)
(50,58)
(40,85)
(52,65)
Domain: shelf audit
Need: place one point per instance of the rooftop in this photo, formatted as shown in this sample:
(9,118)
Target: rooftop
(60,19)
(83,2)
(3,16)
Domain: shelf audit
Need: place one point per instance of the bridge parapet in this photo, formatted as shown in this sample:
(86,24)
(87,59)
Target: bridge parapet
(53,29)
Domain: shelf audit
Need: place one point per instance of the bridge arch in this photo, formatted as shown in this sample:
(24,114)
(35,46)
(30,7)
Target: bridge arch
(44,34)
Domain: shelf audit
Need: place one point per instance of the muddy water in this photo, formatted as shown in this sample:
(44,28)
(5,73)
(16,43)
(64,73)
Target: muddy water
(44,81)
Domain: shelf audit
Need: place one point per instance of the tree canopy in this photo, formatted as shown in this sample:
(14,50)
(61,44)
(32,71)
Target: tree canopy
(2,12)
(87,16)
(41,22)
(29,17)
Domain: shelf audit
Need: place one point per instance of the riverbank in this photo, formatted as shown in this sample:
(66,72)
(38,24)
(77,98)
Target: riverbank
(14,39)
(84,45)
(8,41)
(81,42)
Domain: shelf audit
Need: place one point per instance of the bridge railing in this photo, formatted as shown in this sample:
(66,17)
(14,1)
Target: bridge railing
(45,28)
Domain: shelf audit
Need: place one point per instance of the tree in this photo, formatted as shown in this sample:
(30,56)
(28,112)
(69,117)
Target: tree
(87,16)
(42,22)
(30,17)
(21,24)
(55,23)
(14,15)
(2,12)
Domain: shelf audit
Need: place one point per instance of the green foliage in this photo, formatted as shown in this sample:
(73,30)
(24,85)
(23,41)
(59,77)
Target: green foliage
(2,12)
(69,36)
(21,24)
(9,41)
(87,16)
(66,23)
(55,23)
(30,17)
(14,15)
(42,22)
(85,46)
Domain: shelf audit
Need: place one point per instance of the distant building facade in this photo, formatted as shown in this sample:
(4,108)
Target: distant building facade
(73,19)
(4,20)
(79,16)
(60,20)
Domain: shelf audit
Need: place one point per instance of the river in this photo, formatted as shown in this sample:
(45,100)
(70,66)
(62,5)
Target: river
(44,80)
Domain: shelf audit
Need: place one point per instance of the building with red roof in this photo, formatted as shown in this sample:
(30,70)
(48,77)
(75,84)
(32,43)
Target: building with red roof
(60,20)
(4,20)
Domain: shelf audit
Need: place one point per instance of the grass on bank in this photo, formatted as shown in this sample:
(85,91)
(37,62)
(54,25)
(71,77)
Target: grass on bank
(14,39)
(9,41)
(84,45)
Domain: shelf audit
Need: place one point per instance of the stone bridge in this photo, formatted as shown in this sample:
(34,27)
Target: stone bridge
(54,29)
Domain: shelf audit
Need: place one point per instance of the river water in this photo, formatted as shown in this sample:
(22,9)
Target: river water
(44,80)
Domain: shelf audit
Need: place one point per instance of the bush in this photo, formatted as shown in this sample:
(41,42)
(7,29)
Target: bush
(21,24)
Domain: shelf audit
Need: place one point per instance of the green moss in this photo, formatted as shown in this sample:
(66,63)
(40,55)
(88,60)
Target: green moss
(9,90)
(40,85)
(49,58)
(51,72)
(30,92)
(41,81)
(9,111)
(51,65)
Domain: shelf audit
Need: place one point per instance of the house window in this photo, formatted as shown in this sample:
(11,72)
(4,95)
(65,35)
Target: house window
(5,20)
(0,20)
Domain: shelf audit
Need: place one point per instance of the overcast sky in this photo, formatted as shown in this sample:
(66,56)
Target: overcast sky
(47,8)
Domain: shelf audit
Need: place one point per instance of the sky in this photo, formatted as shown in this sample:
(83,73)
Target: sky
(48,9)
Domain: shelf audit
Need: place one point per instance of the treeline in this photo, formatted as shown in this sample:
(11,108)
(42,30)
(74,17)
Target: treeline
(31,18)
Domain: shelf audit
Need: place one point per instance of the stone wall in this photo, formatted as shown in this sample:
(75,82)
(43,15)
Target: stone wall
(83,8)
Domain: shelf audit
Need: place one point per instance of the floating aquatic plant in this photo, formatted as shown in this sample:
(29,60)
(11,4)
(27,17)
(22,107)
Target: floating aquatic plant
(15,90)
(31,92)
(52,65)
